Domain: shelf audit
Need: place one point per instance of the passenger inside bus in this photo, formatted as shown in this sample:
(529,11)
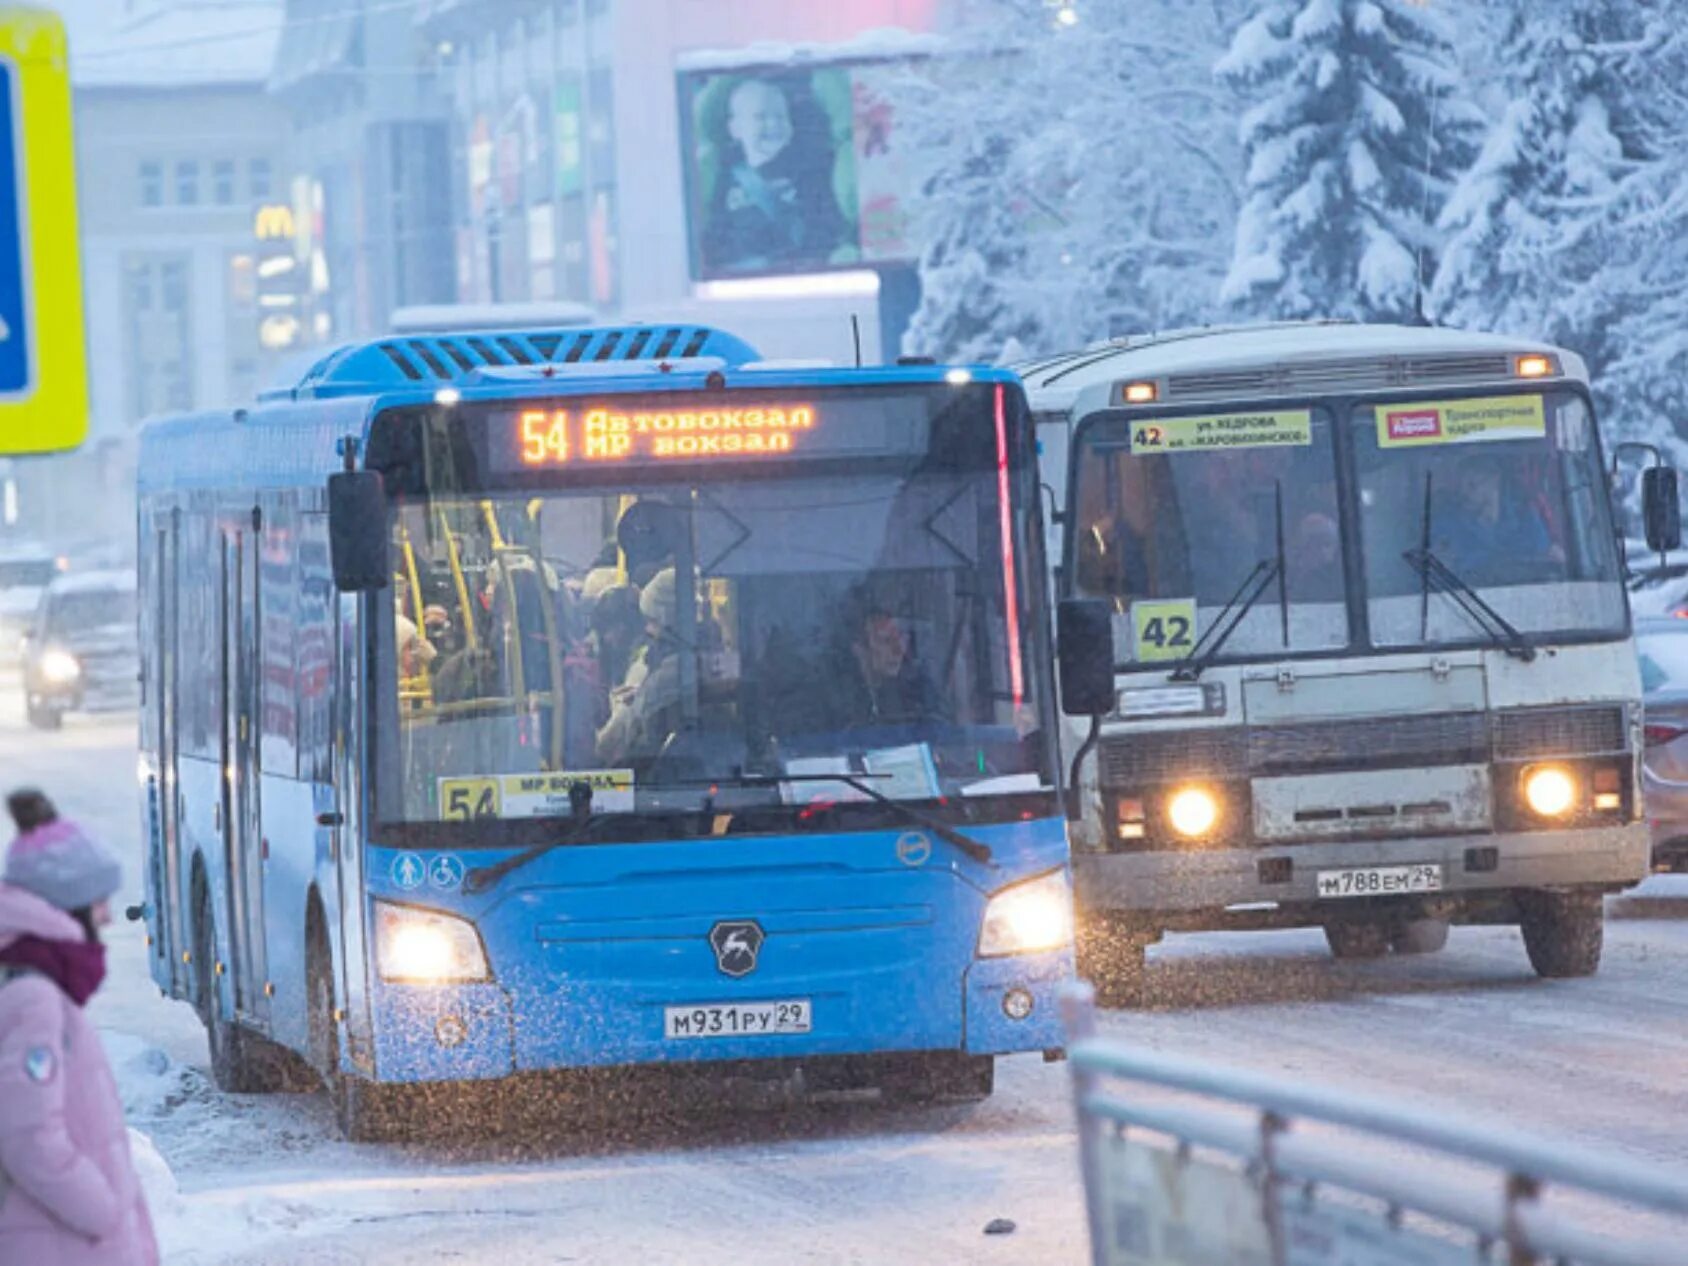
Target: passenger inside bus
(879,680)
(1487,516)
(643,708)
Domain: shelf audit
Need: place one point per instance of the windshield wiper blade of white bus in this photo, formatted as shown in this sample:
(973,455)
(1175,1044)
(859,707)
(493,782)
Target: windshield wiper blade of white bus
(1208,646)
(1501,631)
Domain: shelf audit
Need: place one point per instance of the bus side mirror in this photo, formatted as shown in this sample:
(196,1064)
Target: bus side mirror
(1661,510)
(1084,656)
(357,531)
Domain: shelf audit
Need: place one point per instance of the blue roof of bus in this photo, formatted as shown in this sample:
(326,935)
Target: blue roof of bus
(292,437)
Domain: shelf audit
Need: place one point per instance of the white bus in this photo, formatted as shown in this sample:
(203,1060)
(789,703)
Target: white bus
(1374,665)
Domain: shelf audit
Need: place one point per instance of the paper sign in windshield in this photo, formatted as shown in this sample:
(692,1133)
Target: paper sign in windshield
(1461,421)
(1277,429)
(1163,630)
(533,795)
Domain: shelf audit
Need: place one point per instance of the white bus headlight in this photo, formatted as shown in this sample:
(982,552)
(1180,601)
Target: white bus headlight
(59,667)
(427,948)
(1193,812)
(1028,918)
(1550,791)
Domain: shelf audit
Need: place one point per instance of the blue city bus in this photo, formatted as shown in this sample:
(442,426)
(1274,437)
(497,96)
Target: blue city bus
(533,701)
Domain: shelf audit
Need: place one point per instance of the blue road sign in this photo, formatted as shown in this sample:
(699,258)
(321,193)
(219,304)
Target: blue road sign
(14,307)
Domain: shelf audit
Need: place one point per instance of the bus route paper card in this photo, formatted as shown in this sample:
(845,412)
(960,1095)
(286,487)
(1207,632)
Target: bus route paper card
(903,773)
(543,795)
(813,783)
(43,359)
(1275,429)
(1461,421)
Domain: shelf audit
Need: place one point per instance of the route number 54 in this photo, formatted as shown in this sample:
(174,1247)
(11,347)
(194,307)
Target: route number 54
(469,799)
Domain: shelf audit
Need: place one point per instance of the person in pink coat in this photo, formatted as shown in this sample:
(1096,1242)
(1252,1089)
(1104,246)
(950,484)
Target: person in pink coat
(69,1195)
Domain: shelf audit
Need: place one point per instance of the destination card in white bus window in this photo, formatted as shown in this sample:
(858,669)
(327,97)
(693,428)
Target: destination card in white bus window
(1461,421)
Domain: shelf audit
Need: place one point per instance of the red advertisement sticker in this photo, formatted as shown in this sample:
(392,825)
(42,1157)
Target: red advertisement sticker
(1417,424)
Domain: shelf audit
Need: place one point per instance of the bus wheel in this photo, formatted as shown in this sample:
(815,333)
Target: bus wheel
(242,1063)
(1420,936)
(1357,940)
(943,1075)
(1563,932)
(365,1111)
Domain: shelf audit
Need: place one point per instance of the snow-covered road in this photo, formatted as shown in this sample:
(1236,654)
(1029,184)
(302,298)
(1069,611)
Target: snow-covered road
(266,1180)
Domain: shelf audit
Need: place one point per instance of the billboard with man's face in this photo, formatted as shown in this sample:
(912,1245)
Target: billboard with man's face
(790,171)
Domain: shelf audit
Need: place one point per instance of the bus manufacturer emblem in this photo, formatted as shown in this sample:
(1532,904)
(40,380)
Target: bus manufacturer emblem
(914,848)
(737,945)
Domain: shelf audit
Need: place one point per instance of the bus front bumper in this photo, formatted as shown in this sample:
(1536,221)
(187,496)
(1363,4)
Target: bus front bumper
(1171,888)
(478,1032)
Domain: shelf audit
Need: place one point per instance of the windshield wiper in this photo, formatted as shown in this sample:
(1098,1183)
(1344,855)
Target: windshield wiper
(1501,631)
(1208,646)
(858,782)
(580,805)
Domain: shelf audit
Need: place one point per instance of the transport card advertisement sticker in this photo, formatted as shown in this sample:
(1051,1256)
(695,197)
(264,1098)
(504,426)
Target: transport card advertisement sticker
(1461,421)
(1276,429)
(533,795)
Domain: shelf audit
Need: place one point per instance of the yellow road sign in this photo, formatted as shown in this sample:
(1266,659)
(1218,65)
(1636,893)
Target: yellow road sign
(43,362)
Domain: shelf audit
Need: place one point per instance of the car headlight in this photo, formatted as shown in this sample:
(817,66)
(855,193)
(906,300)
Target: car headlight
(1028,918)
(425,947)
(1550,791)
(59,667)
(1193,812)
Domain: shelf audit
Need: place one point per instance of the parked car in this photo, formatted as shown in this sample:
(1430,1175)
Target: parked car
(25,570)
(82,652)
(1663,648)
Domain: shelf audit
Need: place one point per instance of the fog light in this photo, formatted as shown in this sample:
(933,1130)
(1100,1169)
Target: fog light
(1192,812)
(1550,791)
(1608,801)
(1017,1004)
(451,1031)
(59,667)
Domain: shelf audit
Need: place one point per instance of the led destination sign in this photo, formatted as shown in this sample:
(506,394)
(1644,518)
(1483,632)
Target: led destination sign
(559,437)
(541,435)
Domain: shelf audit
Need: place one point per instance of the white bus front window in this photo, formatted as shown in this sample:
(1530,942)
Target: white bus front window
(1506,492)
(1172,524)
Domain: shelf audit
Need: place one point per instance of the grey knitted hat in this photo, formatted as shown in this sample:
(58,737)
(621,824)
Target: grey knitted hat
(63,866)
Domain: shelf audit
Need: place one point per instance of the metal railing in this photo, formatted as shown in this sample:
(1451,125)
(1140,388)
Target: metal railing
(1190,1163)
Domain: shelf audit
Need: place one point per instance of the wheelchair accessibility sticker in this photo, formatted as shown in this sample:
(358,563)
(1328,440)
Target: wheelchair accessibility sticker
(445,872)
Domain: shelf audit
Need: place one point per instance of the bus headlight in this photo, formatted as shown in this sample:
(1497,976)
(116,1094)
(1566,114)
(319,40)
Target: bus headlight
(59,667)
(424,947)
(1192,812)
(1029,918)
(1550,791)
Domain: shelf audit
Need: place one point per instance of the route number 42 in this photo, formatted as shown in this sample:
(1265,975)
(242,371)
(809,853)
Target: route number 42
(1163,630)
(1171,633)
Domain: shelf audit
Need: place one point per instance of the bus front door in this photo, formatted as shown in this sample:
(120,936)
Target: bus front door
(168,892)
(242,846)
(350,961)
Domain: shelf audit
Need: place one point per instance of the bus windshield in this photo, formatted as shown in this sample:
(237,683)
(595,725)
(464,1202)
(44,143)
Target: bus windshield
(1171,529)
(1180,517)
(675,642)
(1507,493)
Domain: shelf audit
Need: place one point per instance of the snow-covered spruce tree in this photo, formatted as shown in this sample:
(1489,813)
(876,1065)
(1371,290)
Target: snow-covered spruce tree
(1530,225)
(1355,128)
(1639,292)
(1079,179)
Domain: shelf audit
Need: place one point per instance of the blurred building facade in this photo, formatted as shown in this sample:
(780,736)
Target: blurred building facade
(179,145)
